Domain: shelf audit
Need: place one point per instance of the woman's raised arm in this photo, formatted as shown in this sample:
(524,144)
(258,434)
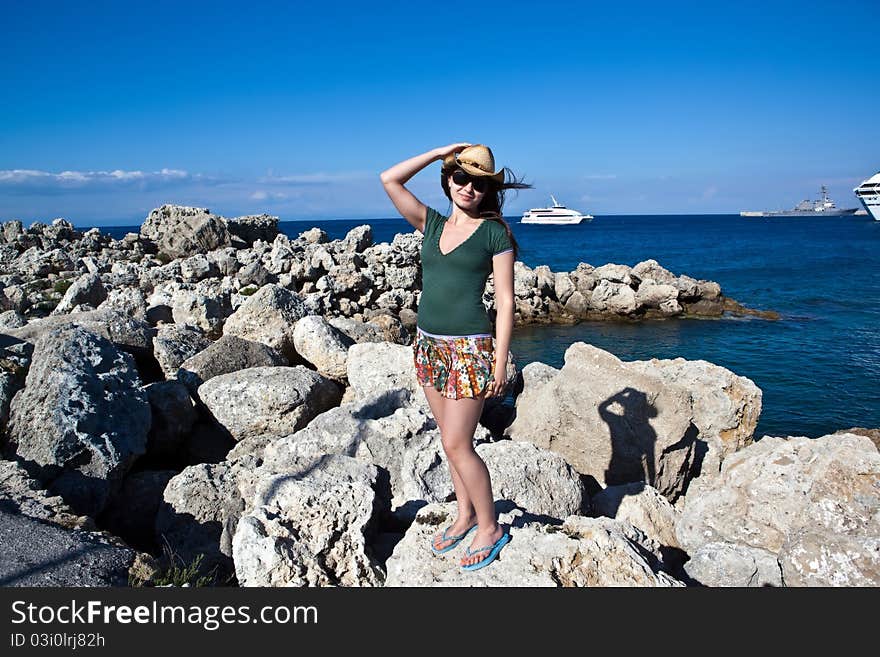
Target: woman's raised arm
(393,179)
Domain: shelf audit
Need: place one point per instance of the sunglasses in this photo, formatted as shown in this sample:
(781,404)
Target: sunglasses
(462,178)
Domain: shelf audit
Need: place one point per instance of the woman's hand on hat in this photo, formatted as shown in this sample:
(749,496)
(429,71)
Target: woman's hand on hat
(443,151)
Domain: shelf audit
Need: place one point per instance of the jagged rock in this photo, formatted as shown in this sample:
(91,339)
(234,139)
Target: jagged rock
(358,239)
(733,564)
(252,227)
(577,305)
(580,552)
(651,270)
(314,236)
(688,289)
(11,319)
(82,418)
(228,354)
(269,316)
(86,289)
(391,328)
(613,297)
(254,274)
(176,343)
(584,279)
(374,367)
(127,300)
(258,400)
(281,541)
(387,430)
(11,231)
(655,295)
(524,280)
(725,407)
(124,332)
(814,503)
(200,511)
(9,385)
(190,307)
(535,479)
(641,506)
(21,493)
(36,263)
(197,267)
(357,331)
(610,421)
(873,434)
(563,288)
(225,260)
(322,345)
(709,290)
(180,231)
(705,308)
(670,307)
(614,273)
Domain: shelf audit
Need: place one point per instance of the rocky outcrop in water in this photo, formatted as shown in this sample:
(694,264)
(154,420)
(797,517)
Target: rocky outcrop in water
(190,265)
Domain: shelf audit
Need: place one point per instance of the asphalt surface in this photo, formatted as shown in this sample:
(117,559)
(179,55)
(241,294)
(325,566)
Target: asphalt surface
(34,553)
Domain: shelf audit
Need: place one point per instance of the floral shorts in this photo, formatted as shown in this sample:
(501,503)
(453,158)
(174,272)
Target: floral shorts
(456,366)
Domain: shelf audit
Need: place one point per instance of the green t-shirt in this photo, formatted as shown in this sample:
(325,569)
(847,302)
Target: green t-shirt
(453,283)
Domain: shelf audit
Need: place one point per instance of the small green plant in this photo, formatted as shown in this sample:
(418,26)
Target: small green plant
(178,575)
(164,258)
(62,285)
(247,291)
(176,572)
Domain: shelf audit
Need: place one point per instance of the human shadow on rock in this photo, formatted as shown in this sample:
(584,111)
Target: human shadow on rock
(628,415)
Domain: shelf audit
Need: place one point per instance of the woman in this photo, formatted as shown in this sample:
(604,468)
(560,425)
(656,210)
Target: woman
(457,361)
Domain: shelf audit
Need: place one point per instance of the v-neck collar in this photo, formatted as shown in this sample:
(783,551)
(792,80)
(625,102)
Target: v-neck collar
(440,235)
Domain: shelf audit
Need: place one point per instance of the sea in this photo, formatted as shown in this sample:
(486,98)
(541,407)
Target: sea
(818,365)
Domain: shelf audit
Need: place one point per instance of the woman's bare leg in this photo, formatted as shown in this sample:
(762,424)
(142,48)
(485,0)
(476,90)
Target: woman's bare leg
(460,418)
(466,514)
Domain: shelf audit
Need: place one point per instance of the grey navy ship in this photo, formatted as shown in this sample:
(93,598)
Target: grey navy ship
(823,207)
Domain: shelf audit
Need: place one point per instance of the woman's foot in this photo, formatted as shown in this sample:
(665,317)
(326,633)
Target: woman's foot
(459,527)
(482,538)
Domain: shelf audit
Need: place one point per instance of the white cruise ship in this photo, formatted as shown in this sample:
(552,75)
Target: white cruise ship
(557,214)
(869,194)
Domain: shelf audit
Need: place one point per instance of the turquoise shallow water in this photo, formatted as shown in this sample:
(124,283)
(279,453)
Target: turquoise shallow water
(818,367)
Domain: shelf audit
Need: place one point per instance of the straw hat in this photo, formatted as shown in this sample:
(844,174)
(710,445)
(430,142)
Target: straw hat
(476,160)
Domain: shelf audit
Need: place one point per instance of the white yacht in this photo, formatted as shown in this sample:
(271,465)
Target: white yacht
(557,214)
(869,194)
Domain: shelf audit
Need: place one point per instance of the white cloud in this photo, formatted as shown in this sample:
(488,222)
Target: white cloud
(319,178)
(46,182)
(262,195)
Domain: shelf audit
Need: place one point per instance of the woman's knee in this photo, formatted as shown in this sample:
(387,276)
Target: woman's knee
(456,444)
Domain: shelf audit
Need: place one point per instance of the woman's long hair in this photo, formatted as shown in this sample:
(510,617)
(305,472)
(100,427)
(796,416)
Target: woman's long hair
(493,200)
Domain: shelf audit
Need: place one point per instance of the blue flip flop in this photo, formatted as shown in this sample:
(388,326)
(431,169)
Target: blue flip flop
(456,540)
(494,550)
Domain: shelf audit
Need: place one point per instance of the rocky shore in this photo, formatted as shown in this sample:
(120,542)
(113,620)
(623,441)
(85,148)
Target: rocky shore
(211,393)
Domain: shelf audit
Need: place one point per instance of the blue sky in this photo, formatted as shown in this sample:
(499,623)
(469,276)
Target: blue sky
(111,109)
